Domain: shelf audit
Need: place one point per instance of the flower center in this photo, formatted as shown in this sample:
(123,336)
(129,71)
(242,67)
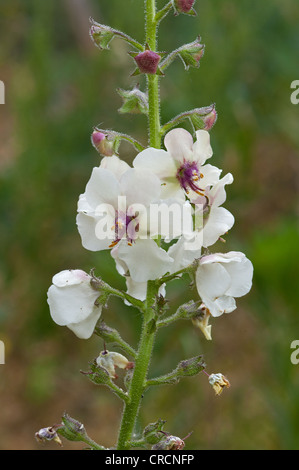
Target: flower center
(188,175)
(126,226)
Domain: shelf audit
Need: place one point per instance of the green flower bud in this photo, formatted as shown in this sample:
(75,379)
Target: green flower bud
(134,101)
(192,53)
(101,35)
(190,367)
(72,430)
(152,433)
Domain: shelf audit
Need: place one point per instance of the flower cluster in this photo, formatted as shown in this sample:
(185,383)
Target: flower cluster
(156,217)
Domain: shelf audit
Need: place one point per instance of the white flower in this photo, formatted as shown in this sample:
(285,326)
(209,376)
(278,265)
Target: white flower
(72,302)
(113,207)
(143,261)
(213,220)
(222,277)
(184,252)
(181,168)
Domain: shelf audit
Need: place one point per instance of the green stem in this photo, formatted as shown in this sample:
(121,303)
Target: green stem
(140,371)
(146,343)
(164,11)
(153,80)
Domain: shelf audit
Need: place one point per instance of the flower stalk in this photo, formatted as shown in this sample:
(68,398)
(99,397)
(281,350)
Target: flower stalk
(116,213)
(137,385)
(153,80)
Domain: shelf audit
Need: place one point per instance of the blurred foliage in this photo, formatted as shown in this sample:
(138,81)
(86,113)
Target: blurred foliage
(58,86)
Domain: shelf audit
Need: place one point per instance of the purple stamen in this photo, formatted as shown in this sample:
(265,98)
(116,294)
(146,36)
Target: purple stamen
(126,226)
(187,175)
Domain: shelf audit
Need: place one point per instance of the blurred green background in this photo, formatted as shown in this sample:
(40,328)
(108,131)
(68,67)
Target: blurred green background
(58,86)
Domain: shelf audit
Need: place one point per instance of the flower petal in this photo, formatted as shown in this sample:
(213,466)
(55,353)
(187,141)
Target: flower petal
(212,282)
(140,187)
(179,144)
(202,149)
(157,161)
(85,328)
(89,230)
(102,187)
(219,221)
(183,254)
(145,260)
(241,274)
(217,194)
(168,218)
(70,277)
(115,165)
(71,304)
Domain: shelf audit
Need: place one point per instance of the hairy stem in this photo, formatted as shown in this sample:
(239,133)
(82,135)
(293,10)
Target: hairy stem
(153,80)
(140,371)
(146,343)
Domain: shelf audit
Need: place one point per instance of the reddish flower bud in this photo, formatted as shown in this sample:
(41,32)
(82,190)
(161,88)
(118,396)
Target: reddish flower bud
(147,62)
(210,119)
(102,144)
(184,6)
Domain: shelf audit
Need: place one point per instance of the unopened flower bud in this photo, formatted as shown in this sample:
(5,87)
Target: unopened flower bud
(210,118)
(147,62)
(192,53)
(190,366)
(153,432)
(72,429)
(218,382)
(170,443)
(101,35)
(103,144)
(184,6)
(49,434)
(110,360)
(134,101)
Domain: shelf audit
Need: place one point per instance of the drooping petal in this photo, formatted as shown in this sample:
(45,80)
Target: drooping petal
(138,290)
(212,282)
(219,221)
(144,259)
(241,274)
(225,304)
(71,304)
(184,252)
(179,144)
(85,328)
